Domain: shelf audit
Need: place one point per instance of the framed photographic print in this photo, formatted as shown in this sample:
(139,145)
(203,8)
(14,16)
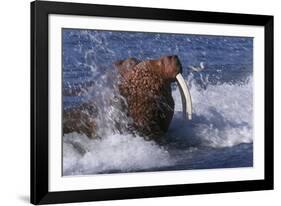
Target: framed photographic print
(131,102)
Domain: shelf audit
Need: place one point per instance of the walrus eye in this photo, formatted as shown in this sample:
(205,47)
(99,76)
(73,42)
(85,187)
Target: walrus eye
(185,97)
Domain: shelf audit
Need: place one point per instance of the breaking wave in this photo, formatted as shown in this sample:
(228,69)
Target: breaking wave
(111,154)
(220,119)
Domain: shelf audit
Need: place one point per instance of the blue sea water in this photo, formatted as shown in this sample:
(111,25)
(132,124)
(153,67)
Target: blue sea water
(218,136)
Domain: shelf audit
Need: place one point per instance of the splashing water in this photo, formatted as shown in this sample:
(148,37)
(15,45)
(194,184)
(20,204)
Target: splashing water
(110,104)
(220,134)
(217,123)
(113,153)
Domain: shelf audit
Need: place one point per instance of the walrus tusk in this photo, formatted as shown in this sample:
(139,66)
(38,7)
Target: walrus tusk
(185,97)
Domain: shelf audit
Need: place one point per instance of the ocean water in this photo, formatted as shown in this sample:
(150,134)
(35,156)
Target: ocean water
(220,135)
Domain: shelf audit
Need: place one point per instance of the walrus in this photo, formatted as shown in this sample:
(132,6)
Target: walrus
(146,87)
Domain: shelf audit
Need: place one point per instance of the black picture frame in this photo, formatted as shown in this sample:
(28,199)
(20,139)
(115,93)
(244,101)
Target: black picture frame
(39,102)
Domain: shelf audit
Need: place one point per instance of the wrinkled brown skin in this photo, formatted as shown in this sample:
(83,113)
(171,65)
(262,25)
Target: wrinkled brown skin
(146,85)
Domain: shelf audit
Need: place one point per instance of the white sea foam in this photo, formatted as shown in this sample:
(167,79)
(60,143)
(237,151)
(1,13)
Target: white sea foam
(222,118)
(222,114)
(112,153)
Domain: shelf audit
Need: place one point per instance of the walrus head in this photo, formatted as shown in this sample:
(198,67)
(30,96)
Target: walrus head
(170,68)
(167,68)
